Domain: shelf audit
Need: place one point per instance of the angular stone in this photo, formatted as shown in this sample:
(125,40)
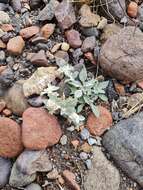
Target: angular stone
(124,64)
(5,168)
(16,4)
(124,144)
(15,99)
(29,31)
(15,45)
(39,59)
(27,164)
(65,14)
(4,17)
(49,10)
(70,179)
(73,38)
(98,125)
(47,30)
(103,175)
(88,19)
(88,44)
(10,138)
(34,136)
(40,80)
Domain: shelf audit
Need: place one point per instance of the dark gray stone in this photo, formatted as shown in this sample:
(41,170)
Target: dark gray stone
(5,168)
(125,144)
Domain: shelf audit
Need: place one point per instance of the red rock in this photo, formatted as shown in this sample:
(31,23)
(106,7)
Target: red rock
(39,59)
(10,138)
(15,45)
(7,27)
(98,125)
(90,57)
(73,38)
(70,179)
(7,112)
(132,9)
(2,105)
(29,32)
(40,129)
(47,30)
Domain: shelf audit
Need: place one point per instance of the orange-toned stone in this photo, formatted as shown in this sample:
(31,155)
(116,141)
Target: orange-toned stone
(75,143)
(119,88)
(7,112)
(70,179)
(132,9)
(15,45)
(2,44)
(47,30)
(86,147)
(140,84)
(98,125)
(10,138)
(61,180)
(40,129)
(2,68)
(29,32)
(7,27)
(2,105)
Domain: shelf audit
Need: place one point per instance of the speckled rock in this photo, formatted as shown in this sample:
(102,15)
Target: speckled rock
(34,137)
(27,164)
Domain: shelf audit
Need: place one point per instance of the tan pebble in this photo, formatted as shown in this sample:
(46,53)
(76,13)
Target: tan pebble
(65,46)
(56,48)
(2,68)
(2,105)
(29,32)
(61,180)
(2,44)
(132,9)
(86,147)
(75,143)
(7,27)
(47,30)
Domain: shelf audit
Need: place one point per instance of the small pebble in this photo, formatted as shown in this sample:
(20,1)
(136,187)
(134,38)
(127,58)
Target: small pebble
(88,164)
(63,140)
(65,46)
(83,156)
(72,128)
(84,134)
(92,141)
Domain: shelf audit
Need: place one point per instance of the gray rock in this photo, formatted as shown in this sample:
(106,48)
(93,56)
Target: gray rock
(84,134)
(33,186)
(26,166)
(36,101)
(4,17)
(103,175)
(83,155)
(63,140)
(49,10)
(124,143)
(35,3)
(3,6)
(6,78)
(65,14)
(124,64)
(90,31)
(115,9)
(88,164)
(5,168)
(2,57)
(88,44)
(15,99)
(16,4)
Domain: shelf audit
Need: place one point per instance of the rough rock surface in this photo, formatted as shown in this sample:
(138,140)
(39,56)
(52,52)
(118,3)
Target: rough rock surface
(125,63)
(10,138)
(124,143)
(103,175)
(27,164)
(39,129)
(5,168)
(15,99)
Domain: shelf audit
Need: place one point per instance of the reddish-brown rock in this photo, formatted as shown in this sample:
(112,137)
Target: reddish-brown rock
(47,30)
(7,27)
(70,179)
(10,138)
(73,38)
(2,105)
(15,45)
(29,32)
(40,129)
(39,59)
(98,125)
(132,9)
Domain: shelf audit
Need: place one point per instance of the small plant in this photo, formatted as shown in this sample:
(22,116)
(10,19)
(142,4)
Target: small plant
(84,90)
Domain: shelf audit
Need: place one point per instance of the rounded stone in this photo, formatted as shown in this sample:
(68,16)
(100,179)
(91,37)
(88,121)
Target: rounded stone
(98,125)
(33,186)
(124,64)
(10,138)
(40,129)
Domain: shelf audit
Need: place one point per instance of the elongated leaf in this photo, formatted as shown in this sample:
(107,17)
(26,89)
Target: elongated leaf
(95,110)
(83,74)
(103,97)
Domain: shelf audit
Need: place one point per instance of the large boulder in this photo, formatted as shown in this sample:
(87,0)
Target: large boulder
(124,143)
(122,54)
(103,175)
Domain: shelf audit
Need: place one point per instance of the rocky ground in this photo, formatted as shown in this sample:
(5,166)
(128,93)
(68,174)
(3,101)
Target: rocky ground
(47,50)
